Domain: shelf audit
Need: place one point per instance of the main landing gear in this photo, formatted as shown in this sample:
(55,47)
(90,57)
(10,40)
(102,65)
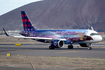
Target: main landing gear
(70,46)
(51,47)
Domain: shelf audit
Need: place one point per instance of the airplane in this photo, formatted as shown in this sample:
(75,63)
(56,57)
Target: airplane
(57,38)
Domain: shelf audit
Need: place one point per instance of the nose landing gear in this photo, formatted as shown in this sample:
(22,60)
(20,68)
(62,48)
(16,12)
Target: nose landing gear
(89,48)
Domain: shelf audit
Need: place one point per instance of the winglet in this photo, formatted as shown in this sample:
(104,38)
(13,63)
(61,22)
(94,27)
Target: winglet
(5,32)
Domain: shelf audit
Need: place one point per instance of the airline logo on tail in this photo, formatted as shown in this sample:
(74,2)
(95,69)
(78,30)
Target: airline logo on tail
(26,22)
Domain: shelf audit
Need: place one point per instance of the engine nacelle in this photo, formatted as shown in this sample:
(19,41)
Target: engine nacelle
(57,43)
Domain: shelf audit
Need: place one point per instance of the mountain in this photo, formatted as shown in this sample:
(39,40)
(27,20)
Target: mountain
(58,14)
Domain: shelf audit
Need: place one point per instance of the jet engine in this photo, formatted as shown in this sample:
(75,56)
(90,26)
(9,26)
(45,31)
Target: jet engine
(57,44)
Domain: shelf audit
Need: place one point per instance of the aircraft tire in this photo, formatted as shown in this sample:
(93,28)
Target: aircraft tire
(70,46)
(89,48)
(50,47)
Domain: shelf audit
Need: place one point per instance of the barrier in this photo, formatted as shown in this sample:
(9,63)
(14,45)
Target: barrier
(8,54)
(17,44)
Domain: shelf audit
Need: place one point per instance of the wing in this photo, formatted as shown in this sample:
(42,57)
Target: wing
(43,38)
(37,38)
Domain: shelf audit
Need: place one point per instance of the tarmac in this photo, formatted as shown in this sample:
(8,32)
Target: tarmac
(31,51)
(98,50)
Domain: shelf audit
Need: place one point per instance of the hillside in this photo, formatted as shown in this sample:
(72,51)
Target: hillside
(58,14)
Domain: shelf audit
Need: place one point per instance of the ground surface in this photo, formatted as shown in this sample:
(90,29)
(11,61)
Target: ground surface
(33,55)
(50,63)
(43,50)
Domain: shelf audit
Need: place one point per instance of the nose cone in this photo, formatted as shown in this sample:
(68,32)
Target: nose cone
(97,38)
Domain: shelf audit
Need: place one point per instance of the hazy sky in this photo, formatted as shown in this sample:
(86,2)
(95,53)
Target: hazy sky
(8,5)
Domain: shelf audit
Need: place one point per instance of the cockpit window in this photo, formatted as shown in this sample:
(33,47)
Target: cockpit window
(94,34)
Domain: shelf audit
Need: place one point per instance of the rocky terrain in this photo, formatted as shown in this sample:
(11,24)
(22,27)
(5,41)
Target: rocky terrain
(58,14)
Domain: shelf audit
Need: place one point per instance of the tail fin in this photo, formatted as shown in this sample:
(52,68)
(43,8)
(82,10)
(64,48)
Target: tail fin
(26,22)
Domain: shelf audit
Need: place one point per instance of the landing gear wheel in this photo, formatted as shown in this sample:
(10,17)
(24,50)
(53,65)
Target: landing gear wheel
(70,46)
(50,47)
(89,48)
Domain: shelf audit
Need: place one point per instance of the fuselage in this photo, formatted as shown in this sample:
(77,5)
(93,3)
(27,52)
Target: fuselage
(71,35)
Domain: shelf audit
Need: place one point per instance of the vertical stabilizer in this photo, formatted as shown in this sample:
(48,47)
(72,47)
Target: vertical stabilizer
(26,22)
